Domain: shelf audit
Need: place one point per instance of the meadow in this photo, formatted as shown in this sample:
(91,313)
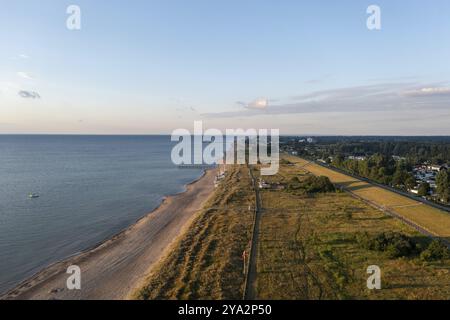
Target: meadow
(308,247)
(431,219)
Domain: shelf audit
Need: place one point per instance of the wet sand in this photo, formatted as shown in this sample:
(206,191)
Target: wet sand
(117,267)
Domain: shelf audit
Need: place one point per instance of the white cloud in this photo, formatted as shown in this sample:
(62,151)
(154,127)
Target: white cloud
(428,91)
(22,56)
(24,75)
(29,94)
(399,97)
(259,104)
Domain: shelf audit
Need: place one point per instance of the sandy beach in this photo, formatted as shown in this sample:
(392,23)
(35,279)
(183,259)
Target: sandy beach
(117,267)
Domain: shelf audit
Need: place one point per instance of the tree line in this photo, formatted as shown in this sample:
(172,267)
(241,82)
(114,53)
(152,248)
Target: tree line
(398,174)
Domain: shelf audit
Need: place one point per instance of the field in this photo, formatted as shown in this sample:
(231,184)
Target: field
(434,220)
(308,250)
(308,245)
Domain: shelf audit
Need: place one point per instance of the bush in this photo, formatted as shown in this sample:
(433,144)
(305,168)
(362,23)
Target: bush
(315,184)
(437,250)
(394,244)
(312,184)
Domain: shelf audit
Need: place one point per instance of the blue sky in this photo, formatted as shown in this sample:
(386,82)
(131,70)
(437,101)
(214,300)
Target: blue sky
(154,66)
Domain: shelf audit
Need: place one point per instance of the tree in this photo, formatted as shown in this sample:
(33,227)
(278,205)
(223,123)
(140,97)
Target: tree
(410,182)
(338,160)
(399,177)
(364,169)
(424,189)
(437,250)
(443,185)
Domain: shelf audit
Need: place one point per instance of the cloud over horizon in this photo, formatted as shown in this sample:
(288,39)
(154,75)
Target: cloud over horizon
(258,104)
(429,91)
(29,94)
(368,98)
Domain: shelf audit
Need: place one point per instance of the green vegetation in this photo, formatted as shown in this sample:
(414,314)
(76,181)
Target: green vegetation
(394,244)
(443,185)
(312,184)
(318,246)
(379,168)
(386,160)
(413,149)
(312,245)
(434,220)
(206,262)
(424,189)
(435,251)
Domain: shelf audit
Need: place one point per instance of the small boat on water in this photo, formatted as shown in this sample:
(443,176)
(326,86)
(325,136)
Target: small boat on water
(33,196)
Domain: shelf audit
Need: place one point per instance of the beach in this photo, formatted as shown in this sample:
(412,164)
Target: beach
(116,268)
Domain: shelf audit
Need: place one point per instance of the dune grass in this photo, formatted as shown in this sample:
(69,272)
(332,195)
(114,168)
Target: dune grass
(206,262)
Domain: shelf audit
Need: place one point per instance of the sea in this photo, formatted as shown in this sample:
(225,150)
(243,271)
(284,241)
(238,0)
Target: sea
(89,188)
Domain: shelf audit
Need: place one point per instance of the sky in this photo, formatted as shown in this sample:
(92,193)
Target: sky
(150,67)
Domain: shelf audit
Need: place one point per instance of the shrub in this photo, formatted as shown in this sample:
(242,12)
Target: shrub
(319,184)
(295,183)
(394,244)
(312,184)
(437,250)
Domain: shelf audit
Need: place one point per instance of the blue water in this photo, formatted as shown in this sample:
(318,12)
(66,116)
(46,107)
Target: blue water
(90,187)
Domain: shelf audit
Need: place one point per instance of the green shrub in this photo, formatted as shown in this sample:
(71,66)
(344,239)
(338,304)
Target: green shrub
(312,184)
(437,250)
(394,244)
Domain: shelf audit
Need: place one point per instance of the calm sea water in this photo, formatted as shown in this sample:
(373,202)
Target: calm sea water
(90,187)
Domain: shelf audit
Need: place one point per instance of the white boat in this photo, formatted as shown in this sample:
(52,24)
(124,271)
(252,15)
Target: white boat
(33,196)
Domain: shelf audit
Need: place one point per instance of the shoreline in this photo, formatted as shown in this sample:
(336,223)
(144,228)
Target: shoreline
(49,282)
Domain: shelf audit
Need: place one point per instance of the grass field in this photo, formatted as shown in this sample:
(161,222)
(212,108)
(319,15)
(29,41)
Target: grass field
(429,218)
(308,250)
(207,261)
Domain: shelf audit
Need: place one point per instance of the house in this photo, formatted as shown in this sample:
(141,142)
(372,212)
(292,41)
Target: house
(359,158)
(436,167)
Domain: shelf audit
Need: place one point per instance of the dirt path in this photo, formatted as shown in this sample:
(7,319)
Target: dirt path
(117,267)
(250,288)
